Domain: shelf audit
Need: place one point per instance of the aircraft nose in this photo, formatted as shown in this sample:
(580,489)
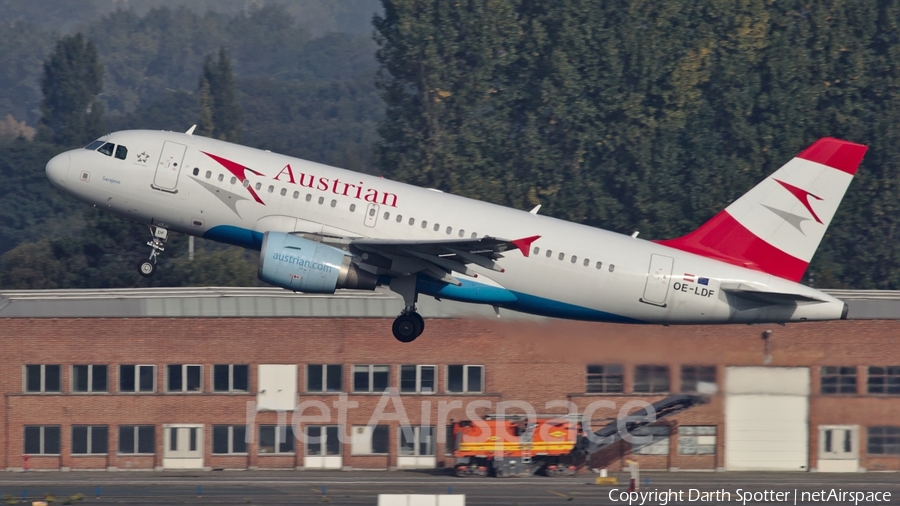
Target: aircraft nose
(58,169)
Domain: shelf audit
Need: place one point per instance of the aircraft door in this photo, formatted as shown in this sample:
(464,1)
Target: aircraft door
(371,215)
(658,277)
(169,166)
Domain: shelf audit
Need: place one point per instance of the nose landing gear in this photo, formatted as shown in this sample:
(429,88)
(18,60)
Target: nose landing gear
(157,245)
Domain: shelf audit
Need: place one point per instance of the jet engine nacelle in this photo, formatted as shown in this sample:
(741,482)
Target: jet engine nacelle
(302,265)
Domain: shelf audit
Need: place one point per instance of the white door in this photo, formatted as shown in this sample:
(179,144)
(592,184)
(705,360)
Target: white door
(658,277)
(323,447)
(767,419)
(838,449)
(169,166)
(371,215)
(417,448)
(182,446)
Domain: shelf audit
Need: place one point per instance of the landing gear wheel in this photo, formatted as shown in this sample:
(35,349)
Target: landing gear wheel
(407,327)
(147,268)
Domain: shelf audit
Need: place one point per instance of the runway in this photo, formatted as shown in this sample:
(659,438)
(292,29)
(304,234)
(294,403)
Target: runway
(362,488)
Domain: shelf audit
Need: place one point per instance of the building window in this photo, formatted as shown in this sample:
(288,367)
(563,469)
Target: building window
(276,439)
(322,440)
(658,443)
(229,439)
(89,439)
(884,380)
(691,375)
(883,440)
(417,378)
(41,440)
(42,378)
(231,378)
(137,439)
(137,378)
(184,378)
(838,380)
(371,378)
(605,379)
(370,440)
(651,378)
(465,378)
(89,378)
(449,441)
(696,440)
(324,377)
(417,441)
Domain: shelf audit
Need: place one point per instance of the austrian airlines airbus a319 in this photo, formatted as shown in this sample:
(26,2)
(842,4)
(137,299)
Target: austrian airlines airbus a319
(320,228)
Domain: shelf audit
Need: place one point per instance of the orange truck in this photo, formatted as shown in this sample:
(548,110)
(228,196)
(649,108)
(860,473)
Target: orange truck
(553,445)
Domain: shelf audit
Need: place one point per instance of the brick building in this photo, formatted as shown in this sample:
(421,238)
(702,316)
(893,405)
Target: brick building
(159,379)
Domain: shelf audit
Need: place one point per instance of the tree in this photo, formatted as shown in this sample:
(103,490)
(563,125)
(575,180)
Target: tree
(220,115)
(71,83)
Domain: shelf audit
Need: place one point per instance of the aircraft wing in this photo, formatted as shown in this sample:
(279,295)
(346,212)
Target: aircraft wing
(436,259)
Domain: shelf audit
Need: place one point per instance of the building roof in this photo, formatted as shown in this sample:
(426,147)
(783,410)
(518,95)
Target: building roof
(223,302)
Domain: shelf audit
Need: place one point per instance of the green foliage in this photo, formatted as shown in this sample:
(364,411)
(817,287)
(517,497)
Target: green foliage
(647,116)
(220,116)
(71,114)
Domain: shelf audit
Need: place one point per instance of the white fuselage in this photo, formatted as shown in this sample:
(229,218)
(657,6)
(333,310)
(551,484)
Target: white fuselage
(573,271)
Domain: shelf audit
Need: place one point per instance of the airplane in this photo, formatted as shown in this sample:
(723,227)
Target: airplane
(320,228)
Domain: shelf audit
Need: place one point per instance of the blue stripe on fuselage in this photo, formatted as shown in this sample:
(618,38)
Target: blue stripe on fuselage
(533,304)
(235,235)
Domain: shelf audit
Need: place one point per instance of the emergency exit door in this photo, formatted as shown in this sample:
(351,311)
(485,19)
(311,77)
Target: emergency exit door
(182,446)
(169,166)
(657,287)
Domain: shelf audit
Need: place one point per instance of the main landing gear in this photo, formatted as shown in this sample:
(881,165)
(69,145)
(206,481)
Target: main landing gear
(157,245)
(409,325)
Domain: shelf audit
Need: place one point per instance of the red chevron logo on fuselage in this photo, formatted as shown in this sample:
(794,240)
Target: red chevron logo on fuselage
(239,171)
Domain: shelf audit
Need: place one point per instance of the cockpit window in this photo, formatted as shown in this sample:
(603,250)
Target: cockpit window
(107,149)
(94,145)
(121,152)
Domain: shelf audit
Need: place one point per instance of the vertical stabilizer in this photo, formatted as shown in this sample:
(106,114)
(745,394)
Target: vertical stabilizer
(777,226)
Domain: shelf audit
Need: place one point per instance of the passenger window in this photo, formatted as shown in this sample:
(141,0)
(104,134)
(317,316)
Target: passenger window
(283,192)
(462,233)
(387,215)
(209,175)
(94,145)
(107,149)
(412,221)
(424,224)
(259,186)
(245,183)
(121,152)
(587,262)
(474,235)
(549,253)
(372,212)
(399,218)
(196,171)
(352,207)
(233,180)
(562,255)
(599,264)
(221,177)
(308,197)
(333,202)
(271,188)
(612,267)
(296,195)
(449,230)
(436,227)
(574,259)
(321,200)
(537,250)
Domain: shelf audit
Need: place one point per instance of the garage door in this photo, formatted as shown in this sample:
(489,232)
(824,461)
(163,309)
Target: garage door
(767,419)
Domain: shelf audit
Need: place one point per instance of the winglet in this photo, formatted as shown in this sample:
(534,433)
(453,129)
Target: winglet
(524,244)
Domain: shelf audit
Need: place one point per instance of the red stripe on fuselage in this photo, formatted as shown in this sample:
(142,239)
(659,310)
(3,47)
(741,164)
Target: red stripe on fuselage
(723,238)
